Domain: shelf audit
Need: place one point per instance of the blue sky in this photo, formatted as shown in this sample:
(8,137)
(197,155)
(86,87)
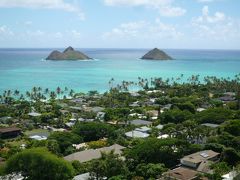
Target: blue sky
(189,24)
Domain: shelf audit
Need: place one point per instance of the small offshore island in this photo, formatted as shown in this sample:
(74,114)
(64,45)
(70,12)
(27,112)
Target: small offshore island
(67,54)
(157,54)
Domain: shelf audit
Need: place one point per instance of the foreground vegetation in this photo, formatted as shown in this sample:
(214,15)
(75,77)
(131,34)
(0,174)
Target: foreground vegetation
(69,118)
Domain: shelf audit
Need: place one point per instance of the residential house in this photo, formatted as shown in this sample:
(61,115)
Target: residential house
(10,132)
(34,114)
(141,132)
(211,125)
(100,116)
(233,175)
(139,122)
(90,154)
(200,161)
(180,173)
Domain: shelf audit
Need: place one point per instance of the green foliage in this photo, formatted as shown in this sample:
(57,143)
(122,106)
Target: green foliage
(79,168)
(226,139)
(231,156)
(233,127)
(186,106)
(214,115)
(153,150)
(215,147)
(108,165)
(175,116)
(93,131)
(39,164)
(65,140)
(150,170)
(116,113)
(46,117)
(220,168)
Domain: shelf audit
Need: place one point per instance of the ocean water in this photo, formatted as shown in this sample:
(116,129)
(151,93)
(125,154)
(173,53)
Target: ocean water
(24,68)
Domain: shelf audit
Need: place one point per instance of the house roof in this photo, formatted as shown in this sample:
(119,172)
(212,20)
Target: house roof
(210,125)
(34,114)
(181,173)
(160,126)
(198,157)
(143,129)
(38,137)
(138,122)
(90,154)
(9,129)
(84,176)
(136,134)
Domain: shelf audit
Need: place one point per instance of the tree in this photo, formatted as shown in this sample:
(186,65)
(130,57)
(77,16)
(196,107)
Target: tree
(220,168)
(65,140)
(109,165)
(155,150)
(175,116)
(231,156)
(186,106)
(93,131)
(233,127)
(150,170)
(39,164)
(214,115)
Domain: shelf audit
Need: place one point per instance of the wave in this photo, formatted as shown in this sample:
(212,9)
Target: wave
(84,60)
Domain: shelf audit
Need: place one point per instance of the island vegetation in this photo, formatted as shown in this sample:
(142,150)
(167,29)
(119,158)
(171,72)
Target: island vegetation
(68,54)
(157,54)
(123,134)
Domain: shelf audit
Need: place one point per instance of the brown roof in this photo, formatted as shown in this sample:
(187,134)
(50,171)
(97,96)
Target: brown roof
(181,173)
(9,129)
(198,157)
(90,154)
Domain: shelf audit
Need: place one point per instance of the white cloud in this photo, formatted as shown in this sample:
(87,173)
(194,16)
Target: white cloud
(217,26)
(205,1)
(75,33)
(165,7)
(142,30)
(5,31)
(36,33)
(28,23)
(58,35)
(44,4)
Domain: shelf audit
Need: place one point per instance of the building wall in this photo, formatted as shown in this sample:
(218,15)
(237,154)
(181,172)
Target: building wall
(189,164)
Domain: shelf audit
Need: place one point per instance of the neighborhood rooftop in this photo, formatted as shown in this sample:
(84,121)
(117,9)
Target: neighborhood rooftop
(91,154)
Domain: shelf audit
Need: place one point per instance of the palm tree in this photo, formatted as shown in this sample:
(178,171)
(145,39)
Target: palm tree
(52,95)
(71,93)
(58,91)
(46,91)
(16,92)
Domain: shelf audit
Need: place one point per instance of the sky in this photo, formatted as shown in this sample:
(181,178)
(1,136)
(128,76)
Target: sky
(168,24)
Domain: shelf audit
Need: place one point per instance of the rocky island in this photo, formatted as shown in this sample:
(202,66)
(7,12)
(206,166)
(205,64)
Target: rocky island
(157,54)
(67,54)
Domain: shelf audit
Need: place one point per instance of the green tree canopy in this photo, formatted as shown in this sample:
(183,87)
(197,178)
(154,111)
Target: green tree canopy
(109,165)
(93,131)
(175,116)
(154,150)
(39,164)
(214,115)
(233,127)
(65,139)
(150,170)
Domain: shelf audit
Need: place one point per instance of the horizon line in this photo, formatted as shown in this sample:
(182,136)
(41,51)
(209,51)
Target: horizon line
(119,48)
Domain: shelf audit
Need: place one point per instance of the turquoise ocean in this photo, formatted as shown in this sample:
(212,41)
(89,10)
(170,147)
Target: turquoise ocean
(22,69)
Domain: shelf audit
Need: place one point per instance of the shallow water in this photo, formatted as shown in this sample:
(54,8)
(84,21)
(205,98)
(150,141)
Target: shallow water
(24,68)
